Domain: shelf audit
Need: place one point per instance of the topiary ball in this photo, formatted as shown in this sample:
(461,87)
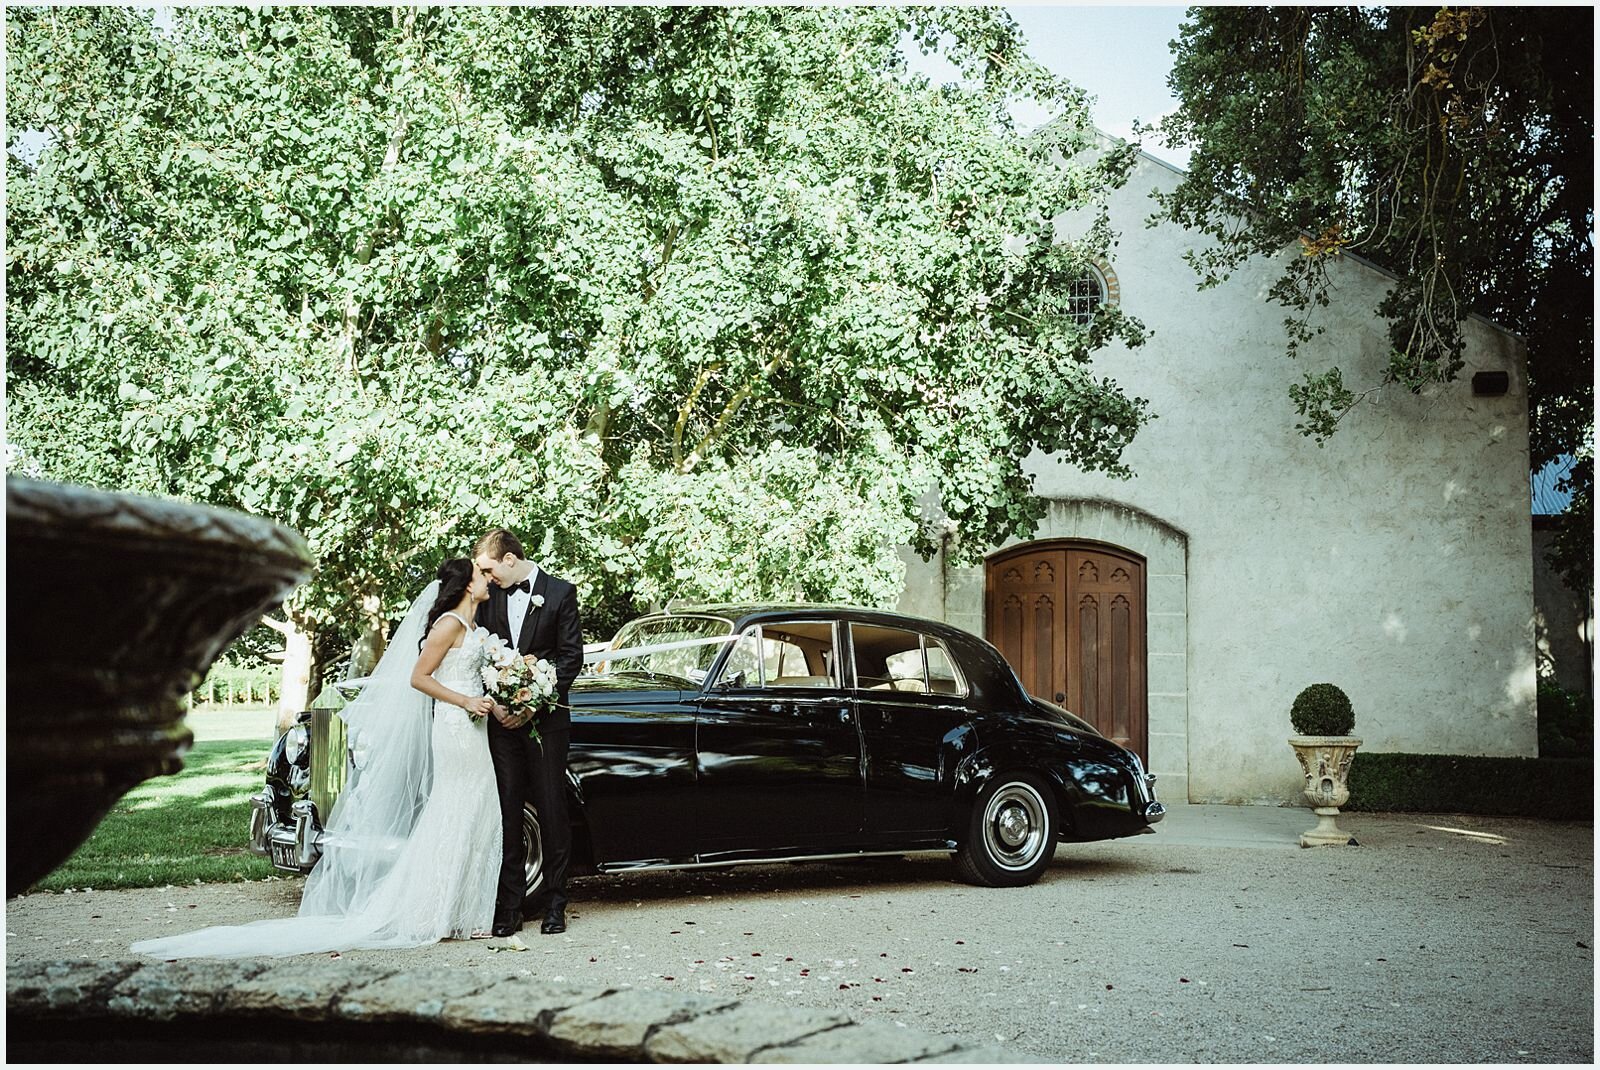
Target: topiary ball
(1322,710)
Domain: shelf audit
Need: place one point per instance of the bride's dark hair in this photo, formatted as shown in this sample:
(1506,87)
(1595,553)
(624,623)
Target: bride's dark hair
(455,576)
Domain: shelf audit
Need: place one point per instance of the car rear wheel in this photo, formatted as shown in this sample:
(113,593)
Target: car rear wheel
(1011,832)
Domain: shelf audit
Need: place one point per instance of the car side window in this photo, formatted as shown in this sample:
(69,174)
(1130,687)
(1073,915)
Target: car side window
(888,659)
(789,654)
(944,675)
(896,659)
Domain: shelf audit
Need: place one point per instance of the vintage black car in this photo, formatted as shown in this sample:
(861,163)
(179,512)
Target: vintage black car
(759,733)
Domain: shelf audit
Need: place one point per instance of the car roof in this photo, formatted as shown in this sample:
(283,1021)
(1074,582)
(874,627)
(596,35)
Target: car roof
(990,667)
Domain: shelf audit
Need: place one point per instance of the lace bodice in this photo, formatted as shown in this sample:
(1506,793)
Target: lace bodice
(461,669)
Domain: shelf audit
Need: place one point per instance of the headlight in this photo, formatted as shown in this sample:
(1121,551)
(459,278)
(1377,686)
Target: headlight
(294,744)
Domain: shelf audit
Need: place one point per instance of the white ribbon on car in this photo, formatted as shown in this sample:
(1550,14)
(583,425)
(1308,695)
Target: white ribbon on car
(654,648)
(597,656)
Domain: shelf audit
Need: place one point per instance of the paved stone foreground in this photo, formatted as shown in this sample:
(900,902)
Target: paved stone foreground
(1441,938)
(446,1011)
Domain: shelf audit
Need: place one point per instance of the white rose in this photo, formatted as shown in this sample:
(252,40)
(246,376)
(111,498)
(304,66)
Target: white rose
(537,601)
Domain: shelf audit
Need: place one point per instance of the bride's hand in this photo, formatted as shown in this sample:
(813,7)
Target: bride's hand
(481,706)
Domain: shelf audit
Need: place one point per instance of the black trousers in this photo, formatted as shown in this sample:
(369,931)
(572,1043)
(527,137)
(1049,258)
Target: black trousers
(535,772)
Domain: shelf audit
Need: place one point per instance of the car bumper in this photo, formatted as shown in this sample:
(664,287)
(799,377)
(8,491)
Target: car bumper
(293,846)
(1144,794)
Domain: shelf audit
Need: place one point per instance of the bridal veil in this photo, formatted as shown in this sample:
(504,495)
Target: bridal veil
(347,903)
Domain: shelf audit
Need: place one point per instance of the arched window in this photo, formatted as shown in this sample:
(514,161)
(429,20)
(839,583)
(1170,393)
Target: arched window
(1085,294)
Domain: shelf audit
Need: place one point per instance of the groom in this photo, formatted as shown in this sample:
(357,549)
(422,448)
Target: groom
(536,613)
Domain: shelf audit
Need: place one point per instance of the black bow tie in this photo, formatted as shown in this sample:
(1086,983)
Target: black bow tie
(526,587)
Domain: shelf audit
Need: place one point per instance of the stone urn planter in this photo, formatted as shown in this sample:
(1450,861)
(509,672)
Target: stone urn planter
(116,606)
(1322,713)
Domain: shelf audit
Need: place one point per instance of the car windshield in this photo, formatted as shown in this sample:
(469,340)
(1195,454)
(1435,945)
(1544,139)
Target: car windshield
(689,662)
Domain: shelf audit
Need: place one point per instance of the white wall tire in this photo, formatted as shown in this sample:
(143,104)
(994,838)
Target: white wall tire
(1011,832)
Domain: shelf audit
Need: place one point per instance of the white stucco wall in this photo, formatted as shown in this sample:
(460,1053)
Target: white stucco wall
(1395,561)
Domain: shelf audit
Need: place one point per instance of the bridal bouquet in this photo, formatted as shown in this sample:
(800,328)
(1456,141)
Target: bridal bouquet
(524,686)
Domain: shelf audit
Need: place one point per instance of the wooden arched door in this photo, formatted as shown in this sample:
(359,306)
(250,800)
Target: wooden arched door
(1070,618)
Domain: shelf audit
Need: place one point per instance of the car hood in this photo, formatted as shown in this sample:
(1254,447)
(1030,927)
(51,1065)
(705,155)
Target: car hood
(618,690)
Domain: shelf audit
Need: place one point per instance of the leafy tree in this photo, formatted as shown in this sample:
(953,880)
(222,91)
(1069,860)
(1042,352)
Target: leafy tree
(707,301)
(1452,146)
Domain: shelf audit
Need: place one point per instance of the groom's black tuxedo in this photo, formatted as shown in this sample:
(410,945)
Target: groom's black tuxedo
(549,631)
(523,769)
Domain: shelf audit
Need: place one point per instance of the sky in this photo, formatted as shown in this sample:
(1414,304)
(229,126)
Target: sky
(1118,54)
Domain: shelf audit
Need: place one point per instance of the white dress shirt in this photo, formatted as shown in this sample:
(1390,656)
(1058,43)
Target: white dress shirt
(517,607)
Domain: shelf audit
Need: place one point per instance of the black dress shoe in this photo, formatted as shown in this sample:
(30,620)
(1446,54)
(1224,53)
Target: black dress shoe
(507,926)
(555,921)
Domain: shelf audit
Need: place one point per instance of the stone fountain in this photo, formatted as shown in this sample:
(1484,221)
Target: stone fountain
(116,606)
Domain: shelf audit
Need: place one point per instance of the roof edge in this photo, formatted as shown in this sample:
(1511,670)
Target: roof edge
(1370,265)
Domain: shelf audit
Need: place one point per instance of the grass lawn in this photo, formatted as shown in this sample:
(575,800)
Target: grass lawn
(176,829)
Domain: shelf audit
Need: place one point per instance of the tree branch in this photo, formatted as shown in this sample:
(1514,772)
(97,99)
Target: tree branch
(351,319)
(667,247)
(686,409)
(731,409)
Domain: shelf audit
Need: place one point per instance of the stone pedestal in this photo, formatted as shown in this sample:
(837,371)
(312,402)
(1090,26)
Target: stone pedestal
(116,605)
(1326,763)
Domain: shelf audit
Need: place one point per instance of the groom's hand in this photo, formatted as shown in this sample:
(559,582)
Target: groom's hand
(503,715)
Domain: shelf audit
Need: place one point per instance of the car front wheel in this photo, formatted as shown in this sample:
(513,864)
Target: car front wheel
(532,854)
(1011,832)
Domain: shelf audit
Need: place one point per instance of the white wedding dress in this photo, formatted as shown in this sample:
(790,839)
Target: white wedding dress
(404,863)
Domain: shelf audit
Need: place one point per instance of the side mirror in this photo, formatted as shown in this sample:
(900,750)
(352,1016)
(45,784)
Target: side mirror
(729,683)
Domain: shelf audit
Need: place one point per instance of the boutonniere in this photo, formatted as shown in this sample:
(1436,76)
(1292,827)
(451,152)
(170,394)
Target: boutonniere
(535,602)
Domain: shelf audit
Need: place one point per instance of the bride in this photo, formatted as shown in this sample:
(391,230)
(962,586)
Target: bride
(411,851)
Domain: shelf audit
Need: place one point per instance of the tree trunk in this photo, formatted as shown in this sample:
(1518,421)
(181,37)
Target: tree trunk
(294,694)
(367,649)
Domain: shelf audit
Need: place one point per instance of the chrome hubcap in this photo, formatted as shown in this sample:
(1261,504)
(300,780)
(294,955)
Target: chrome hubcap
(1016,826)
(1013,826)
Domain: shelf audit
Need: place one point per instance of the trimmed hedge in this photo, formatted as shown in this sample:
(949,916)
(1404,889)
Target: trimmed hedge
(1566,722)
(1560,788)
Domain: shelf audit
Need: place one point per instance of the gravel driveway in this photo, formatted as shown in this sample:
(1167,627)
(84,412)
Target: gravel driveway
(1440,938)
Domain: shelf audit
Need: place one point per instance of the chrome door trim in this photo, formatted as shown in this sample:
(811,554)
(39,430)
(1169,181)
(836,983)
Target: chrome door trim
(638,867)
